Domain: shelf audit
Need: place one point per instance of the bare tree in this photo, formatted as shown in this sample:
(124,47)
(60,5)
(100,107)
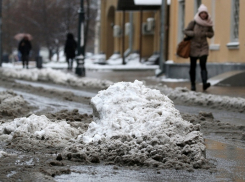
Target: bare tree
(48,21)
(9,26)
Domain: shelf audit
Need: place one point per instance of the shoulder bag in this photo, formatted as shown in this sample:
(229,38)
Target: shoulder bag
(184,47)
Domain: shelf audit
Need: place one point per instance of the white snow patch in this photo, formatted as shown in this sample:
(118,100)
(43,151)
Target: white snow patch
(39,127)
(186,96)
(5,154)
(2,154)
(56,76)
(164,79)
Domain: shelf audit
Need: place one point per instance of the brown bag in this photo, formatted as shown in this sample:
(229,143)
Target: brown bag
(184,48)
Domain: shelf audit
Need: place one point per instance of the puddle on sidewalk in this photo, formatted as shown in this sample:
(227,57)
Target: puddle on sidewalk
(230,161)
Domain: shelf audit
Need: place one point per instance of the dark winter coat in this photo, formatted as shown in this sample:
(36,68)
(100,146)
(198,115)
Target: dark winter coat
(199,34)
(25,47)
(70,47)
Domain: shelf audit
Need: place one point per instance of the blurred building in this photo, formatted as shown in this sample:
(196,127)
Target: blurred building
(134,30)
(137,37)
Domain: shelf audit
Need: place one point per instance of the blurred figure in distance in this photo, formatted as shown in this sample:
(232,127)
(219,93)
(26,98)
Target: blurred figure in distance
(25,48)
(70,50)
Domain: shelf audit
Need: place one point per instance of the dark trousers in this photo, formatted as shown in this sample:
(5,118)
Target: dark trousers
(25,60)
(70,63)
(193,63)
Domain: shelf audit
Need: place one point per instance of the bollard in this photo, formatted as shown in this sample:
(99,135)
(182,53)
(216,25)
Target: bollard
(39,62)
(80,69)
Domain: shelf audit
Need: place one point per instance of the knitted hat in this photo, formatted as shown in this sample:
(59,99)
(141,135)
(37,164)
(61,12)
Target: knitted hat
(208,21)
(202,8)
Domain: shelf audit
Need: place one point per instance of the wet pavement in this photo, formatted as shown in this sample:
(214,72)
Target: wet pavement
(53,104)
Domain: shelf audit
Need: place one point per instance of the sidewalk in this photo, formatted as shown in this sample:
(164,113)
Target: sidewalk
(150,79)
(129,73)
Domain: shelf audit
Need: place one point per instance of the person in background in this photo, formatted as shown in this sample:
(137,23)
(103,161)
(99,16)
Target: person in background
(199,30)
(25,48)
(70,50)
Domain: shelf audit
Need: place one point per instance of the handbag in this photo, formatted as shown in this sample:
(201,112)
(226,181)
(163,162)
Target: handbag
(184,48)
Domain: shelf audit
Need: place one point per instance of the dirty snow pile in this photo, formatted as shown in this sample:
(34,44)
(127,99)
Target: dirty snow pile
(37,127)
(184,95)
(56,76)
(11,98)
(136,125)
(12,105)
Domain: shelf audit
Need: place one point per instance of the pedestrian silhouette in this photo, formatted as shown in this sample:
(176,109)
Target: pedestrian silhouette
(25,48)
(199,30)
(70,50)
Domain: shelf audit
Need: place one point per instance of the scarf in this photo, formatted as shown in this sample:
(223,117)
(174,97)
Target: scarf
(206,23)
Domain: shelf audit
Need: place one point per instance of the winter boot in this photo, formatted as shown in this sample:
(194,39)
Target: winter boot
(193,86)
(204,75)
(193,80)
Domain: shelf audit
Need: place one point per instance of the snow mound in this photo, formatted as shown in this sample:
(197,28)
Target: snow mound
(12,105)
(56,76)
(132,109)
(10,97)
(134,124)
(186,96)
(39,127)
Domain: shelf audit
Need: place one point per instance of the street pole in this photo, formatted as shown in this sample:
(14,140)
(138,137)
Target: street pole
(80,48)
(162,40)
(80,70)
(1,57)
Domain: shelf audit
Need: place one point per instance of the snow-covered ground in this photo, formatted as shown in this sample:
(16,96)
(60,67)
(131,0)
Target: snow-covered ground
(67,78)
(144,116)
(132,123)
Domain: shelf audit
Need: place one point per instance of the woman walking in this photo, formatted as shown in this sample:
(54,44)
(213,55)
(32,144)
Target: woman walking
(70,50)
(199,30)
(25,48)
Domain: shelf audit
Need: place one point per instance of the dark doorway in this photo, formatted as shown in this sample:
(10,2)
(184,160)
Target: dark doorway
(109,32)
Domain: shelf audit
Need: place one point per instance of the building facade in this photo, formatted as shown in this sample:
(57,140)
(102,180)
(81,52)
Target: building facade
(227,46)
(112,30)
(228,43)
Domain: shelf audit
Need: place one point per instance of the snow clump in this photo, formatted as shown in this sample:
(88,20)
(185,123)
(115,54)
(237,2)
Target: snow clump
(136,125)
(38,127)
(13,105)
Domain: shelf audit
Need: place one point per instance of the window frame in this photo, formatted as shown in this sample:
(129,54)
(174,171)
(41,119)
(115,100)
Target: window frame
(234,41)
(196,5)
(181,20)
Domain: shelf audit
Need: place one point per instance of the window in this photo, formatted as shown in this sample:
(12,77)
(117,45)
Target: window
(234,37)
(181,24)
(235,20)
(197,5)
